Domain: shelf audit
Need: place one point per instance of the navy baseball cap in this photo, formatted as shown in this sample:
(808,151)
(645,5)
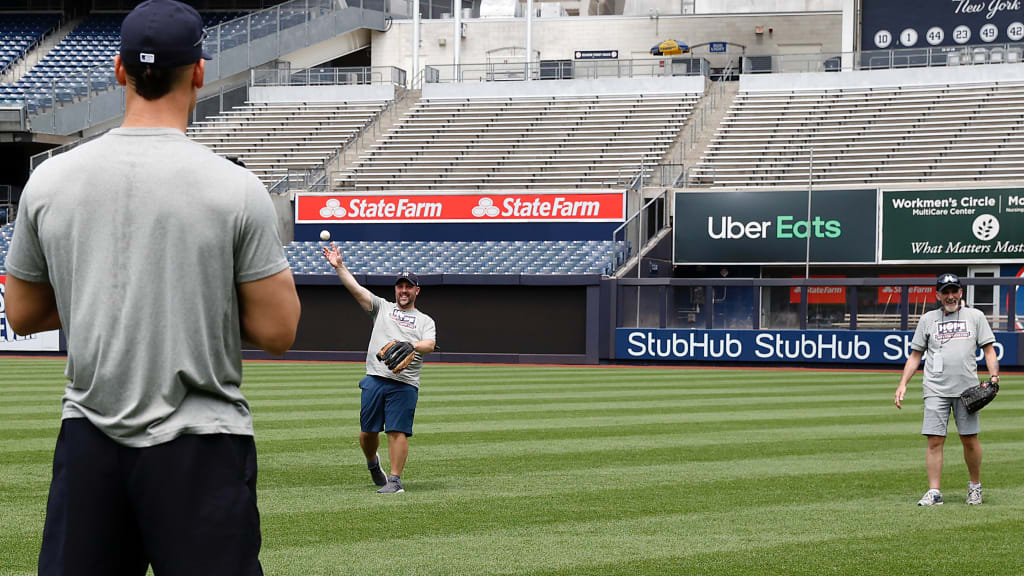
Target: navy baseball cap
(946,280)
(164,34)
(409,277)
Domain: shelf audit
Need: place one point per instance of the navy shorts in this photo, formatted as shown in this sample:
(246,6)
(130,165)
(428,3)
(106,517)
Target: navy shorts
(387,405)
(187,507)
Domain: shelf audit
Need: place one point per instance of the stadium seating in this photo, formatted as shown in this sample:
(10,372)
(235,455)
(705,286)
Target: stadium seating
(80,62)
(19,33)
(575,141)
(494,257)
(869,135)
(490,257)
(6,233)
(275,137)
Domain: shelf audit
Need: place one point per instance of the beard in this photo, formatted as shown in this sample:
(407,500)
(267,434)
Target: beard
(950,307)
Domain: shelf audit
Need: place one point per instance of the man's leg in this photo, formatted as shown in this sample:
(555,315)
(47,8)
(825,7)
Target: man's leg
(972,455)
(398,451)
(89,528)
(195,499)
(933,461)
(369,442)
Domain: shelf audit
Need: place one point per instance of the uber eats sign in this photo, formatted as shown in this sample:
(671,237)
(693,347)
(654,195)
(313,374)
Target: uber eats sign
(772,227)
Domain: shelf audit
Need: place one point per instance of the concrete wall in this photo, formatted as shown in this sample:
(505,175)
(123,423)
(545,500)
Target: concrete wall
(356,93)
(558,38)
(877,78)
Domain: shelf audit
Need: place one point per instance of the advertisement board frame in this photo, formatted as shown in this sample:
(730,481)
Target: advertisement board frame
(880,259)
(875,224)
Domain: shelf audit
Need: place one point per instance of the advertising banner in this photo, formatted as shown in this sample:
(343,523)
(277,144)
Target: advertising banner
(979,225)
(797,346)
(475,207)
(771,227)
(928,23)
(819,294)
(924,294)
(11,342)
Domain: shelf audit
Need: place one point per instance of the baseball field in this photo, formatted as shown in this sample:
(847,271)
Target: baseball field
(588,471)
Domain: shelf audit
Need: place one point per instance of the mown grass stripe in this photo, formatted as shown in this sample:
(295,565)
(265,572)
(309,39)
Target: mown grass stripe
(584,470)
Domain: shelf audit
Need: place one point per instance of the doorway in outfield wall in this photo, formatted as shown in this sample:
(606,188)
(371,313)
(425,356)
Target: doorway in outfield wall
(984,298)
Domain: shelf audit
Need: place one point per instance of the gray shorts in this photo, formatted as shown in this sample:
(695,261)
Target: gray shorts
(936,417)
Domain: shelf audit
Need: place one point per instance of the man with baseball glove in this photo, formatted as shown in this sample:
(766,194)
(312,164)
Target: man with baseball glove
(401,336)
(951,336)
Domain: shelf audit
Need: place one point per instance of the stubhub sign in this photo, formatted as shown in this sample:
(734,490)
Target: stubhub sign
(826,346)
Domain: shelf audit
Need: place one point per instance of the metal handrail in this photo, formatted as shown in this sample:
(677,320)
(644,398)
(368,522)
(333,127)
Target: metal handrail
(638,215)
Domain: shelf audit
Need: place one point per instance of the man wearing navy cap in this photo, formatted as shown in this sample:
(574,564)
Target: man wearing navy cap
(388,399)
(156,257)
(951,336)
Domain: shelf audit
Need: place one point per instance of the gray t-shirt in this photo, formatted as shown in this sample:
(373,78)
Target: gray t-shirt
(956,337)
(144,235)
(392,323)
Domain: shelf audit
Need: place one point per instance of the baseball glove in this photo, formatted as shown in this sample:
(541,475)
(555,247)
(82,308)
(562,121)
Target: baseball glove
(977,397)
(397,355)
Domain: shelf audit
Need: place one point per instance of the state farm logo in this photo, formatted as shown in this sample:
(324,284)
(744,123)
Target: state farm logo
(333,209)
(380,208)
(486,207)
(985,227)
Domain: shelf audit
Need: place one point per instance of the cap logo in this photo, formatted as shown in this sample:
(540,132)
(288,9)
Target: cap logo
(948,278)
(147,58)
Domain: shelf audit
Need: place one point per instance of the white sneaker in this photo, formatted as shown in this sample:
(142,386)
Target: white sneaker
(931,498)
(973,495)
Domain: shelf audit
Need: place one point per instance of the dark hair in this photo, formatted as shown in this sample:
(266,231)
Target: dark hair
(151,82)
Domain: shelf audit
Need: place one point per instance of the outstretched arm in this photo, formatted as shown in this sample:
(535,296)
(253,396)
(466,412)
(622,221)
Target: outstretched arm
(363,296)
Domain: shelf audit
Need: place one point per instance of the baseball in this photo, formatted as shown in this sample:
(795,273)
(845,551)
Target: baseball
(325,235)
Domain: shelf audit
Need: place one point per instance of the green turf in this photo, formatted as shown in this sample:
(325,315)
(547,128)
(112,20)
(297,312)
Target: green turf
(589,471)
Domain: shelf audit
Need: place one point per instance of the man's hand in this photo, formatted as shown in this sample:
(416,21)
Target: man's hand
(901,391)
(333,256)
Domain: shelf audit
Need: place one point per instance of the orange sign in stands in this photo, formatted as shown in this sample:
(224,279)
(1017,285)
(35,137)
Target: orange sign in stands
(918,294)
(819,294)
(399,208)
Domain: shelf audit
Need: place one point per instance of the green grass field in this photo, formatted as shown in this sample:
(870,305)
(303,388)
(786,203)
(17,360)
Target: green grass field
(589,471)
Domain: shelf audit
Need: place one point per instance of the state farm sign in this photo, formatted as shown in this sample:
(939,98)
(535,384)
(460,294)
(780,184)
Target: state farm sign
(568,206)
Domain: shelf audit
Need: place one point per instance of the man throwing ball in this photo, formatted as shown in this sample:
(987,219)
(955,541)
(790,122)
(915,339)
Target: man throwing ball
(401,336)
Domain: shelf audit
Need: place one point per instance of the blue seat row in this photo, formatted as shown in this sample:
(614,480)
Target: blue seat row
(496,257)
(20,32)
(80,63)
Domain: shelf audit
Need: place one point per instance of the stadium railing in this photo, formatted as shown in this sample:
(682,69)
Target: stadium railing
(967,55)
(645,225)
(786,303)
(321,76)
(538,70)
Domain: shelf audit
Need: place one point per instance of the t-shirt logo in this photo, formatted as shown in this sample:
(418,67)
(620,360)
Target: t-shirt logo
(952,330)
(402,319)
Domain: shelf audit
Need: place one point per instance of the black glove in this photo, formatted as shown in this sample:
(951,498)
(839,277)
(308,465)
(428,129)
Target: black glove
(397,355)
(977,397)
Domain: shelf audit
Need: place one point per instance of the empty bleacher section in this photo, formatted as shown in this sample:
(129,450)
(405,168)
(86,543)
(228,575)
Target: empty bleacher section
(892,126)
(488,257)
(81,62)
(576,139)
(20,33)
(273,138)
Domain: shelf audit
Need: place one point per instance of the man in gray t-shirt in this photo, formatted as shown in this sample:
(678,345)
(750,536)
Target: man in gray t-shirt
(388,399)
(951,336)
(156,257)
